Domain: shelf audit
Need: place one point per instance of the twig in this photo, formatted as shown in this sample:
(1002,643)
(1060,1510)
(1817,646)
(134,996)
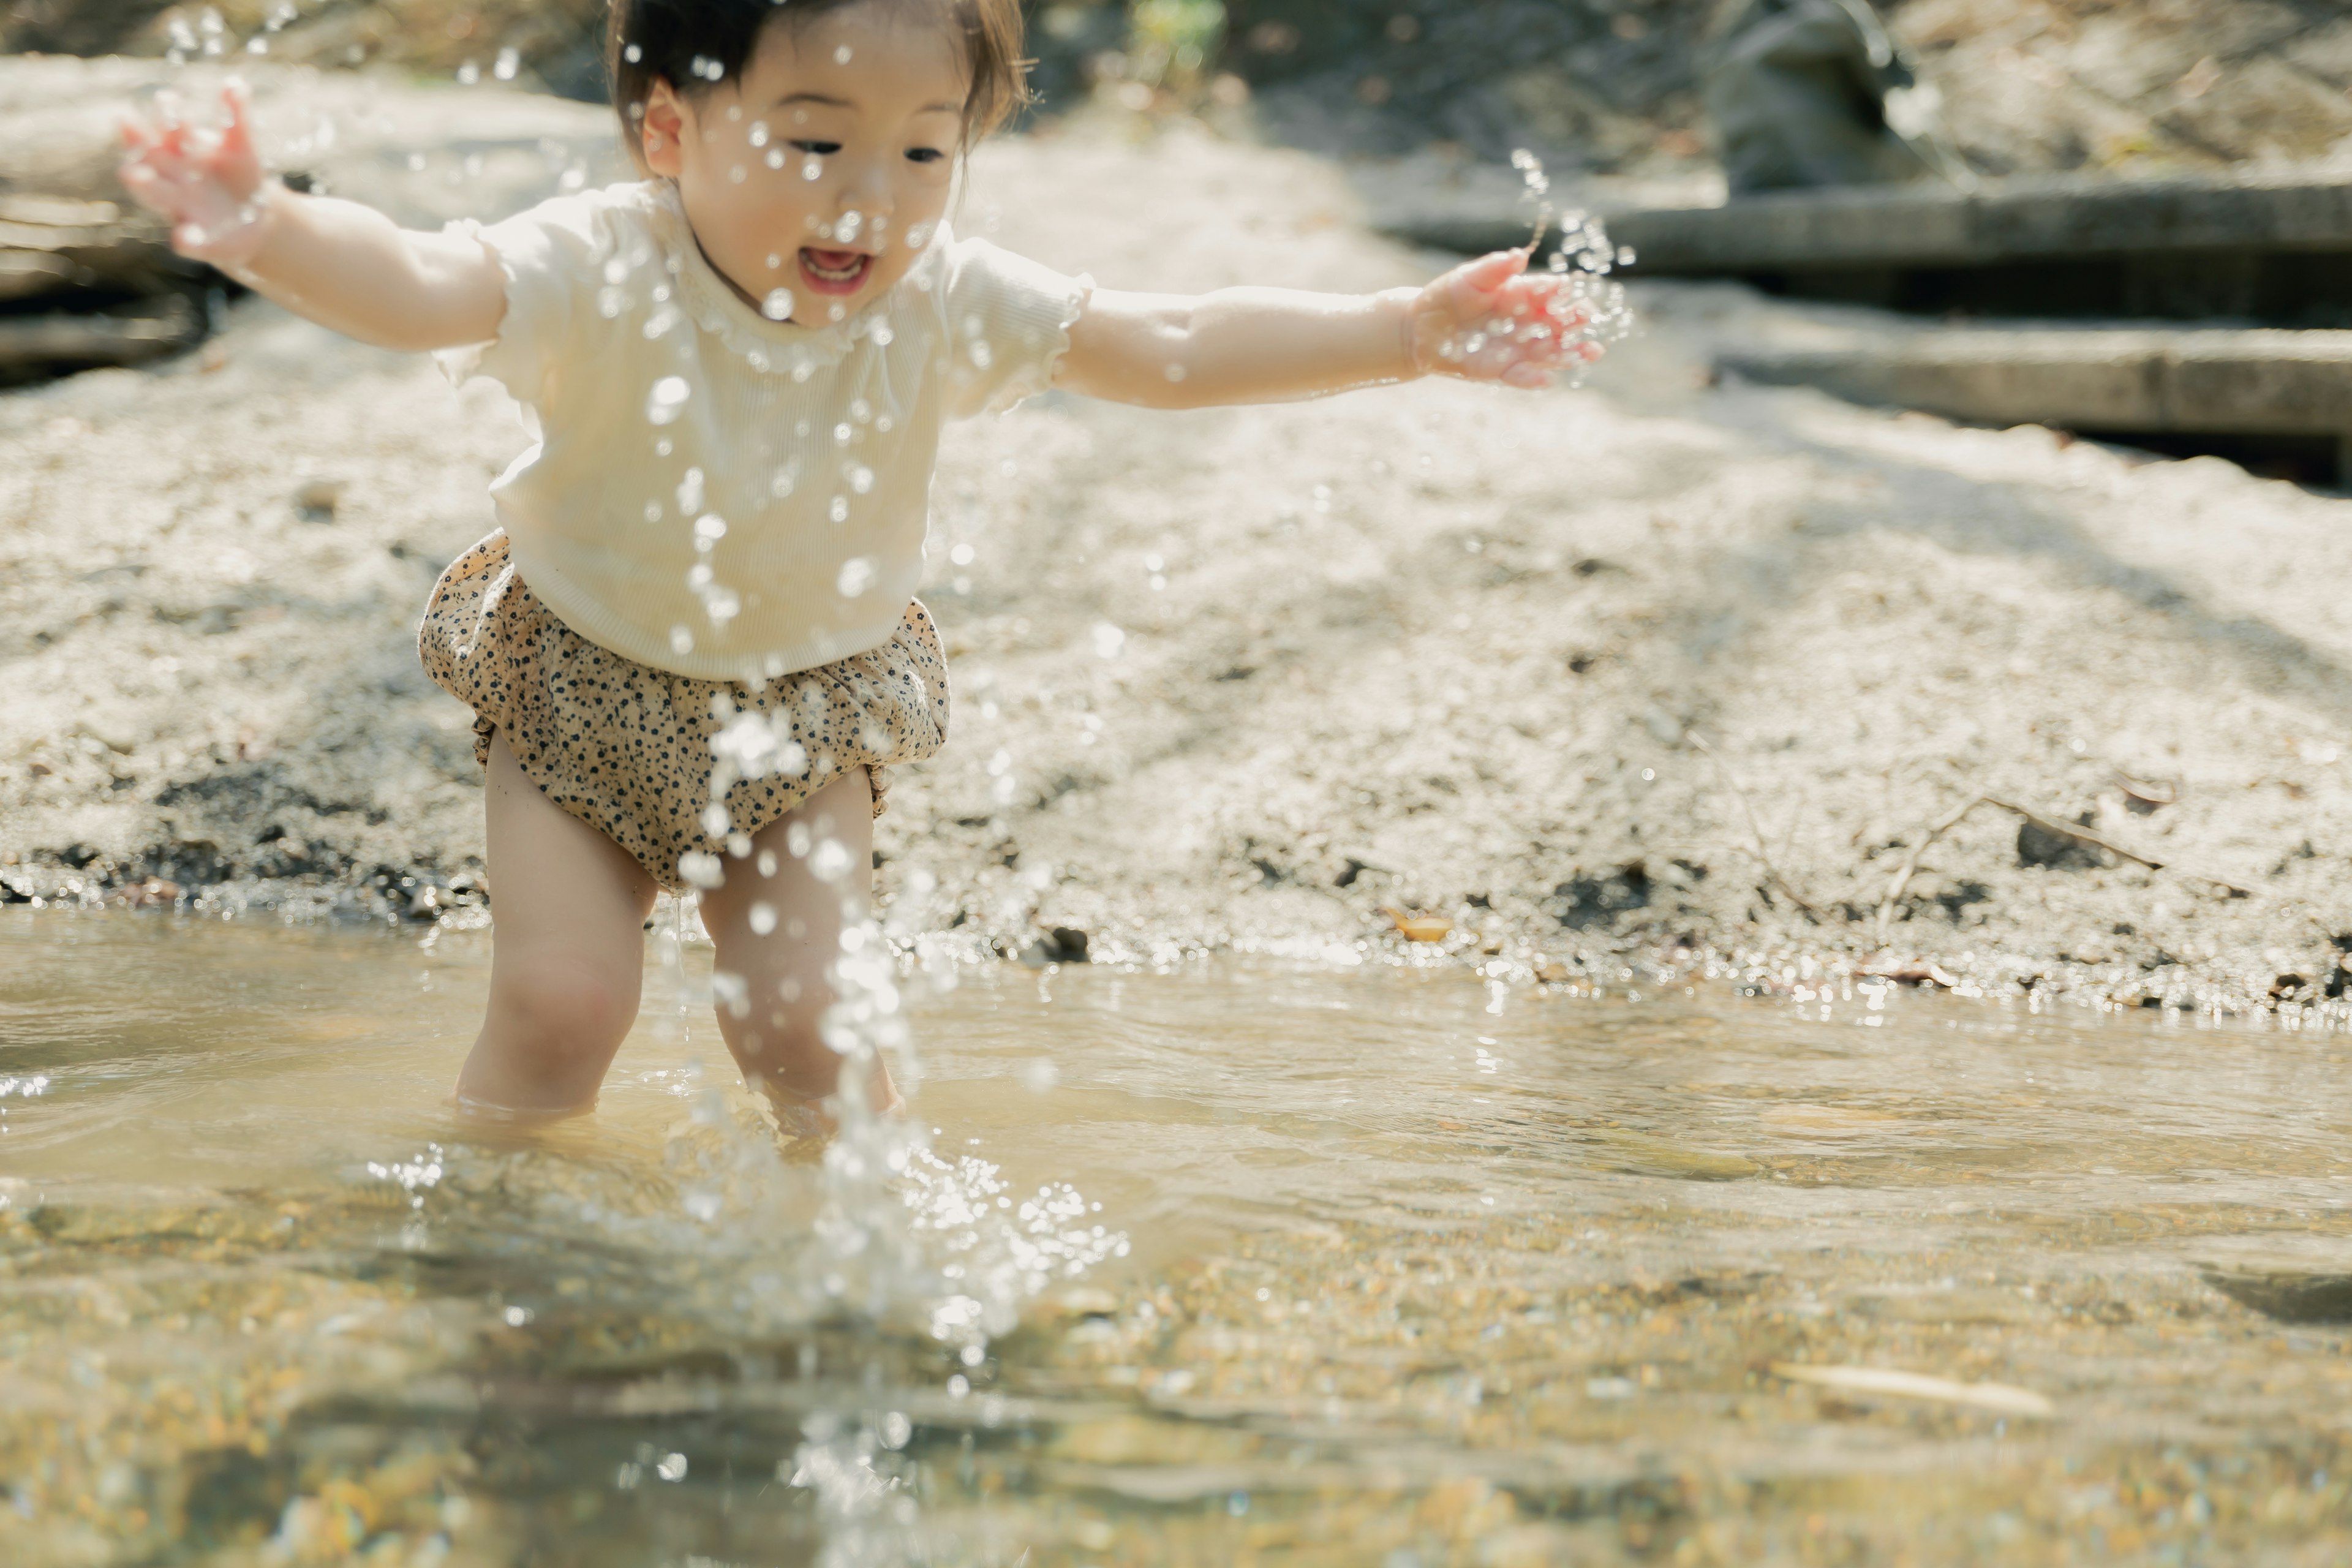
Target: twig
(2100,841)
(1754,828)
(2075,831)
(1904,873)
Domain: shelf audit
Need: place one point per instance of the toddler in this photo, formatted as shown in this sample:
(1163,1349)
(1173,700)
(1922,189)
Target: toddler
(692,646)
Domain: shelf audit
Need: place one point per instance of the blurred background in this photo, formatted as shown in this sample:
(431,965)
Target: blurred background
(1611,86)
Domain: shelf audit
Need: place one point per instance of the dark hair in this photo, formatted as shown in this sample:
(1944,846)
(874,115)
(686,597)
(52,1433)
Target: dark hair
(692,44)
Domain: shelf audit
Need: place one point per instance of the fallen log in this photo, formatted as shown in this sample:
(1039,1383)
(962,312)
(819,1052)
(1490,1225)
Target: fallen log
(35,347)
(64,249)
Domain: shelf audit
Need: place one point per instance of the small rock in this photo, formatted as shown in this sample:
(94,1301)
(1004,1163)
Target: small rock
(1921,974)
(1061,944)
(1078,1301)
(2296,1282)
(1420,928)
(1640,1154)
(112,734)
(2037,845)
(316,499)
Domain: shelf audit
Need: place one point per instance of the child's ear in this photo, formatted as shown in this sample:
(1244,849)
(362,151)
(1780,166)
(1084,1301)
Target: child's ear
(661,130)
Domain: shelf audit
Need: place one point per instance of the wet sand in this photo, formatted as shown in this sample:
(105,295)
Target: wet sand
(1656,672)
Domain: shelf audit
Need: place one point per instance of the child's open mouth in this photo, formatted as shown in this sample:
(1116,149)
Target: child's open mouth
(834,271)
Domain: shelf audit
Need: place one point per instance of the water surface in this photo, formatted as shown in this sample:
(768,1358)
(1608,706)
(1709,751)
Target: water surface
(1389,1267)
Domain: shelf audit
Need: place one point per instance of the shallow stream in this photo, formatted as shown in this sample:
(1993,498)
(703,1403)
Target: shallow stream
(1393,1268)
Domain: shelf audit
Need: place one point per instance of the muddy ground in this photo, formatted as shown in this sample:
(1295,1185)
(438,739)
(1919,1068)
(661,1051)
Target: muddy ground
(1654,670)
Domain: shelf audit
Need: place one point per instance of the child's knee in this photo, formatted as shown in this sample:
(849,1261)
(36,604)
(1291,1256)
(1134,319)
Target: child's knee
(782,1030)
(565,1004)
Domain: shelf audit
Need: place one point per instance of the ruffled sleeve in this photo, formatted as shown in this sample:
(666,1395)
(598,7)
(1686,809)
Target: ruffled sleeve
(1007,323)
(553,258)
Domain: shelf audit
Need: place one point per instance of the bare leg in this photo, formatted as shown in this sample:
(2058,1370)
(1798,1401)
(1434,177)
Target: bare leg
(569,959)
(778,927)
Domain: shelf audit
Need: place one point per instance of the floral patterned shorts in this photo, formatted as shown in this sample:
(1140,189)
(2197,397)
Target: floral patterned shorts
(626,748)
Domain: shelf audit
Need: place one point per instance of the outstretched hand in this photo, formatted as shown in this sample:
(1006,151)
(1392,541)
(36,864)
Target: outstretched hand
(208,180)
(1491,319)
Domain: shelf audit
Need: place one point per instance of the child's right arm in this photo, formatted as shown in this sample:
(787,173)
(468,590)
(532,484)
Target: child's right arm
(340,264)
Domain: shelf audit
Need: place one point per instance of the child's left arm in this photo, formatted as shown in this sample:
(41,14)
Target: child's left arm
(1488,319)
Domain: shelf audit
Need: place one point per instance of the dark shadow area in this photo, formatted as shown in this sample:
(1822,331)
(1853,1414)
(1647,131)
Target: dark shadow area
(2314,462)
(2278,289)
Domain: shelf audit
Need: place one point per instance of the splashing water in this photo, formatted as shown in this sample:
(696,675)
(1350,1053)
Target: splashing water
(1584,257)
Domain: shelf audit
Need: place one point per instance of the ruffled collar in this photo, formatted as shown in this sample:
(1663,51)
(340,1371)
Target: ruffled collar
(777,348)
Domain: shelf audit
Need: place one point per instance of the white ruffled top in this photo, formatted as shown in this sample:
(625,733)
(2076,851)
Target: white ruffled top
(721,495)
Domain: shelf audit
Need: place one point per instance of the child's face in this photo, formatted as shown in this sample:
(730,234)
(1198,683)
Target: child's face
(815,179)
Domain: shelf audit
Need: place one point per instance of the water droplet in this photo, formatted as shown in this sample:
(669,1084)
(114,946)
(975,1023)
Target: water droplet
(841,56)
(508,63)
(839,509)
(667,399)
(1108,640)
(829,861)
(468,74)
(858,575)
(778,305)
(764,915)
(690,492)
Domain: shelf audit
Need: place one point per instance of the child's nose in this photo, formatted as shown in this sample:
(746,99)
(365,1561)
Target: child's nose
(867,192)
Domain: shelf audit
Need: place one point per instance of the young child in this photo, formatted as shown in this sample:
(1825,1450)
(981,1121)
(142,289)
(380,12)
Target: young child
(738,367)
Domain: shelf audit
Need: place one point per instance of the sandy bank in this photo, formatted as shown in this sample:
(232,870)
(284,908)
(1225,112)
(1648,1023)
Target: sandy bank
(1650,667)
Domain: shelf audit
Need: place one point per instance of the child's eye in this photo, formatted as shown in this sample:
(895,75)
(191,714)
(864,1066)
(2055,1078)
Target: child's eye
(924,155)
(819,149)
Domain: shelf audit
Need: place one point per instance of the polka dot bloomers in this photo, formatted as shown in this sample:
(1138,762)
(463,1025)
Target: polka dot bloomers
(626,748)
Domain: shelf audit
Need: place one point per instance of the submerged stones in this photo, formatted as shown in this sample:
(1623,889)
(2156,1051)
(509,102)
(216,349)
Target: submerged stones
(2291,1280)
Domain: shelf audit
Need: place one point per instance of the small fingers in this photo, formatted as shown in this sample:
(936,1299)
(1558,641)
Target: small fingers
(1471,287)
(237,100)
